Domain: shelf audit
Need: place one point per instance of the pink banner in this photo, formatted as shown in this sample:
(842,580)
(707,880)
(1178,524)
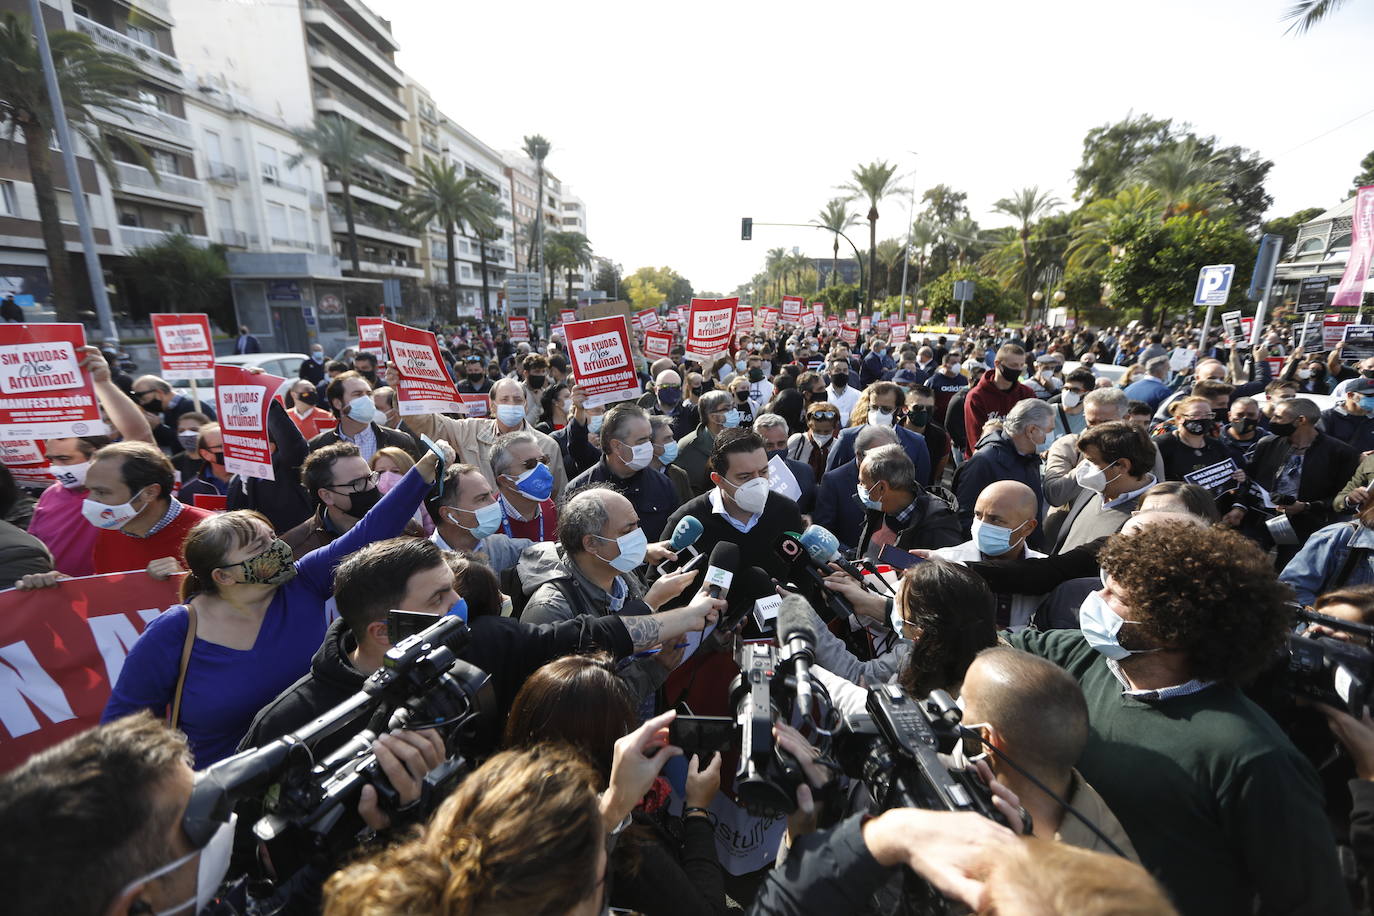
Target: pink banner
(1350,293)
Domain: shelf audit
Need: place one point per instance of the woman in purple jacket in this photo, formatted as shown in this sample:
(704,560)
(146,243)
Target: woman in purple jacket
(259,618)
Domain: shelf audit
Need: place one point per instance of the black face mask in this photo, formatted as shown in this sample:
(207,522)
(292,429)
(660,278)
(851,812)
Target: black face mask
(1009,374)
(1197,427)
(150,403)
(1283,430)
(697,390)
(535,381)
(1367,373)
(1243,426)
(918,416)
(306,397)
(755,375)
(669,395)
(216,458)
(1219,414)
(359,503)
(838,381)
(741,396)
(476,377)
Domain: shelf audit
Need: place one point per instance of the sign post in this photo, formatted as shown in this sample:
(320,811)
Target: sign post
(1213,286)
(963,293)
(1266,262)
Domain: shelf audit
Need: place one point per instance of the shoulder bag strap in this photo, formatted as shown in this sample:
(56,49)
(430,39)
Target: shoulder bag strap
(185,661)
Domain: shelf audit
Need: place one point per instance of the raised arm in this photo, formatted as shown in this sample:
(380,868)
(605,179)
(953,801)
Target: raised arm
(125,416)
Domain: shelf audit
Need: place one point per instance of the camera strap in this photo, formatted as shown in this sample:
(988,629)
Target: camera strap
(185,661)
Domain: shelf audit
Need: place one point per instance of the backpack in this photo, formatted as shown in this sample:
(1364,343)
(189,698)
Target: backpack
(515,590)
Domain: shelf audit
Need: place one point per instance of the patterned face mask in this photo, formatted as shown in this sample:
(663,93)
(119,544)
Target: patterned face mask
(274,566)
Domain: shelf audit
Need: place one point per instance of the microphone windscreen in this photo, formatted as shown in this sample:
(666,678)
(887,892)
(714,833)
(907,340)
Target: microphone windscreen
(723,564)
(790,548)
(686,533)
(796,619)
(820,543)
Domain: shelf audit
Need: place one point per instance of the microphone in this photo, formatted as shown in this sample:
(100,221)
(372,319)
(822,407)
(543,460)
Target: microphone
(873,568)
(751,589)
(720,571)
(797,640)
(687,533)
(824,549)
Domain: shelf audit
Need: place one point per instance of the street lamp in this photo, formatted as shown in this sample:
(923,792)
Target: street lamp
(1059,297)
(1036,297)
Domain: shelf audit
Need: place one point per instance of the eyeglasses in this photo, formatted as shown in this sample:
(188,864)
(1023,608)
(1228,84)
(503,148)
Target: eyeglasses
(356,486)
(529,463)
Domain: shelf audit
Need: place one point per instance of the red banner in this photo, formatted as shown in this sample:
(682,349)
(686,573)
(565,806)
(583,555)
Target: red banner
(883,325)
(851,316)
(925,315)
(212,501)
(424,386)
(744,318)
(43,392)
(1350,292)
(519,328)
(808,319)
(566,315)
(849,334)
(832,322)
(657,344)
(951,320)
(475,405)
(647,320)
(371,337)
(791,309)
(601,361)
(27,464)
(865,324)
(768,317)
(243,400)
(818,309)
(1333,332)
(899,332)
(709,327)
(184,346)
(61,651)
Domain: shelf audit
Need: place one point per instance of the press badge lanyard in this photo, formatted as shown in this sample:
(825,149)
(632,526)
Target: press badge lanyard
(505,522)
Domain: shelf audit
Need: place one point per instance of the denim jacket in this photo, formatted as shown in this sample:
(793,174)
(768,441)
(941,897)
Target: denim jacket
(1316,565)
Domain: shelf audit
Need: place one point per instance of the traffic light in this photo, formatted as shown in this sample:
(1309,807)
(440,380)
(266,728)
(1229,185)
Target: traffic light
(746,228)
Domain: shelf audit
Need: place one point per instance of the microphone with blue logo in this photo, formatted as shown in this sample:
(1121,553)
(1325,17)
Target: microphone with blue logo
(687,533)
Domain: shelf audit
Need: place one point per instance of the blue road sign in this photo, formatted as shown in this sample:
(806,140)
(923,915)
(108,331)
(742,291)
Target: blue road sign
(1214,284)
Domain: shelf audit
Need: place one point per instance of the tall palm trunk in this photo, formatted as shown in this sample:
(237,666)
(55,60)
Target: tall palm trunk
(539,225)
(872,250)
(567,290)
(835,261)
(50,222)
(1026,269)
(452,265)
(346,183)
(486,289)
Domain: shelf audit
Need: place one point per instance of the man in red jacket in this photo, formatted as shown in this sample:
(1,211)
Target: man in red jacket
(996,393)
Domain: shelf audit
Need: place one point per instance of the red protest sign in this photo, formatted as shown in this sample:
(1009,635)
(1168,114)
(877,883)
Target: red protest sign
(791,309)
(657,344)
(243,400)
(424,386)
(849,334)
(883,325)
(184,346)
(566,315)
(600,359)
(647,319)
(212,501)
(474,405)
(709,326)
(865,324)
(744,318)
(43,392)
(63,650)
(899,332)
(925,315)
(832,322)
(851,316)
(26,461)
(370,336)
(818,309)
(768,317)
(951,319)
(989,319)
(1333,332)
(519,327)
(808,319)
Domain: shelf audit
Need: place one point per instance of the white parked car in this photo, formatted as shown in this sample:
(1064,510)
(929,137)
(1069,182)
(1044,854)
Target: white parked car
(1103,370)
(285,365)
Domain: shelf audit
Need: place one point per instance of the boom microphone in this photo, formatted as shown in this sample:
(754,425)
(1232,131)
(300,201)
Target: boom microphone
(721,570)
(797,640)
(824,548)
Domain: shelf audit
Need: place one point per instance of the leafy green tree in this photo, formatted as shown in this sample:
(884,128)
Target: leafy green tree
(774,263)
(943,207)
(1106,224)
(890,252)
(1112,151)
(988,296)
(1287,226)
(89,80)
(1187,179)
(607,278)
(837,217)
(537,149)
(1156,264)
(343,149)
(445,196)
(1366,176)
(174,275)
(642,293)
(924,237)
(964,237)
(1026,206)
(874,181)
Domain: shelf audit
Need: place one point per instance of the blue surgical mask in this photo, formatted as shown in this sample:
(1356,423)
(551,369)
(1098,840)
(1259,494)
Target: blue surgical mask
(866,497)
(362,410)
(510,414)
(733,418)
(993,540)
(1367,404)
(633,547)
(536,483)
(669,454)
(594,423)
(1101,627)
(488,520)
(317,356)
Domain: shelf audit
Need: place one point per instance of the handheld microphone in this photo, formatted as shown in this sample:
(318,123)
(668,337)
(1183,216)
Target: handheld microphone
(751,587)
(720,571)
(877,574)
(797,640)
(687,533)
(824,549)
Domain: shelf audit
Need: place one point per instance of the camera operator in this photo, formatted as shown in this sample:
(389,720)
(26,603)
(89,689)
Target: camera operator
(488,849)
(1034,712)
(1194,770)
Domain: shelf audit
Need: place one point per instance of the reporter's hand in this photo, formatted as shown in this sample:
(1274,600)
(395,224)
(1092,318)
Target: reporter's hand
(864,602)
(702,784)
(637,760)
(163,568)
(668,587)
(94,362)
(40,580)
(670,656)
(659,551)
(405,757)
(791,740)
(700,613)
(1356,734)
(948,849)
(1357,496)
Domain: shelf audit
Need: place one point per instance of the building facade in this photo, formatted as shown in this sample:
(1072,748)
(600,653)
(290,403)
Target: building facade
(1320,250)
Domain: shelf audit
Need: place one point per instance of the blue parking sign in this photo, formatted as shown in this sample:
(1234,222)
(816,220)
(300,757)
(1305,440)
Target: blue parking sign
(1214,284)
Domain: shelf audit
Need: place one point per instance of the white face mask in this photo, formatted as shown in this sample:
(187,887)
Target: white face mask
(1070,399)
(210,870)
(1092,477)
(640,456)
(511,415)
(822,440)
(752,496)
(70,476)
(107,517)
(362,409)
(879,418)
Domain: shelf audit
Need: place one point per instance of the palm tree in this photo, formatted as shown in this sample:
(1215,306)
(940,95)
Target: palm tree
(1305,14)
(1026,206)
(924,236)
(837,217)
(773,263)
(963,235)
(1108,220)
(573,251)
(798,264)
(445,196)
(537,148)
(890,253)
(89,80)
(873,181)
(1187,178)
(342,150)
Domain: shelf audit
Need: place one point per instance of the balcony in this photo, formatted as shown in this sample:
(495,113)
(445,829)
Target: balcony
(135,179)
(233,238)
(155,63)
(164,126)
(402,269)
(316,200)
(292,243)
(391,232)
(330,100)
(273,179)
(221,173)
(366,191)
(318,15)
(342,68)
(389,166)
(138,237)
